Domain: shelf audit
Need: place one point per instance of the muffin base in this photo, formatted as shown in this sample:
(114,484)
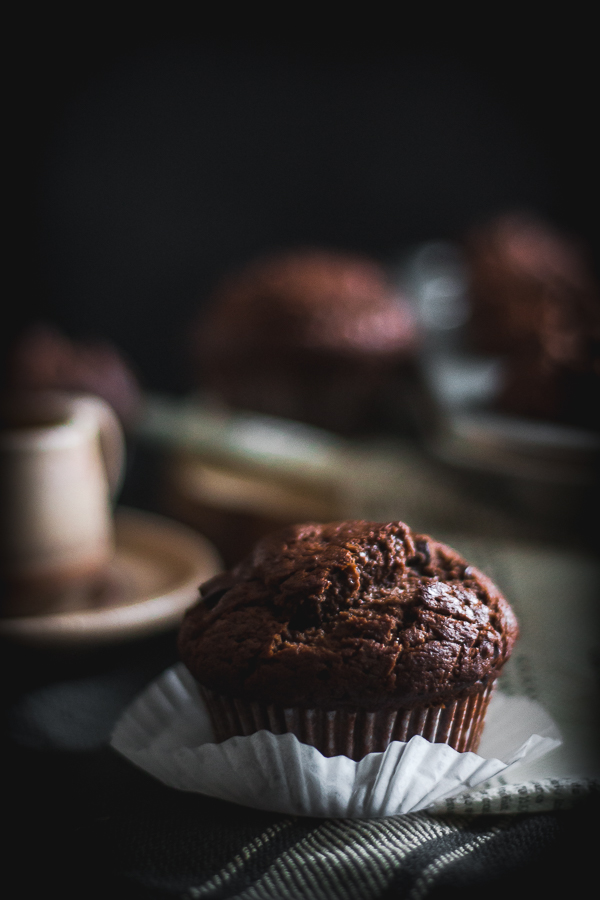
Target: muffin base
(353,733)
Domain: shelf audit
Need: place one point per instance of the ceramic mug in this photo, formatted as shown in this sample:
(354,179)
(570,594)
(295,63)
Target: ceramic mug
(61,463)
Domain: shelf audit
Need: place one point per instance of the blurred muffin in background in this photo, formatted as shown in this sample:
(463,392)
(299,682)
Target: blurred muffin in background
(536,302)
(45,359)
(311,335)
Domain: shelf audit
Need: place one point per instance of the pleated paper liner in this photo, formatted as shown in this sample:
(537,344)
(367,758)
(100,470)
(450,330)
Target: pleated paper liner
(354,733)
(167,732)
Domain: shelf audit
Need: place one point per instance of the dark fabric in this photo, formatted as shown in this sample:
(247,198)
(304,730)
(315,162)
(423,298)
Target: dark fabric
(529,855)
(85,822)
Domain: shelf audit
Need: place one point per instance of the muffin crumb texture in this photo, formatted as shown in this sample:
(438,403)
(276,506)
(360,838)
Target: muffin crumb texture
(354,615)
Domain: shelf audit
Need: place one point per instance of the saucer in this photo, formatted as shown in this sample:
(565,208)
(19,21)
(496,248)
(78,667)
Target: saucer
(153,578)
(235,505)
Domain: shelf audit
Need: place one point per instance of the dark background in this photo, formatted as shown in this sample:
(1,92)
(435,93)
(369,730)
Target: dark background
(159,153)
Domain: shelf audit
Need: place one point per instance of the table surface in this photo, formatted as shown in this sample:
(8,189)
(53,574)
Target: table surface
(86,823)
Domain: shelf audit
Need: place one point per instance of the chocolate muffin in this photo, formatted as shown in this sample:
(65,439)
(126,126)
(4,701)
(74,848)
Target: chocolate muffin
(350,635)
(311,335)
(536,302)
(45,359)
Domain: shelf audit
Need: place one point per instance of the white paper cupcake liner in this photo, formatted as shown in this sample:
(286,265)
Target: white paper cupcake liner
(167,732)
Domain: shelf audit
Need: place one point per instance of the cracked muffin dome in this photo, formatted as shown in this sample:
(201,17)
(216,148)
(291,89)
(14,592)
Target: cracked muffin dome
(350,634)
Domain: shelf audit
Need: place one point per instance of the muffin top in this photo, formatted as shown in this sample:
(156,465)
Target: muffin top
(313,299)
(348,615)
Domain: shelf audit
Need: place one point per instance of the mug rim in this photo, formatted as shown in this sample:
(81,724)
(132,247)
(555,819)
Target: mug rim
(70,419)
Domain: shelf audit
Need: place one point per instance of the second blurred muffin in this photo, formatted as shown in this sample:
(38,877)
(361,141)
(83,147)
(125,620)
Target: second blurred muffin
(310,335)
(536,302)
(43,358)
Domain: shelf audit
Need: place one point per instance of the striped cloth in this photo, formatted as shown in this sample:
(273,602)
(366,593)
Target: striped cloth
(407,856)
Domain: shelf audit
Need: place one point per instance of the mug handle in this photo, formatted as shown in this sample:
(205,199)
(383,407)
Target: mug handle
(112,440)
